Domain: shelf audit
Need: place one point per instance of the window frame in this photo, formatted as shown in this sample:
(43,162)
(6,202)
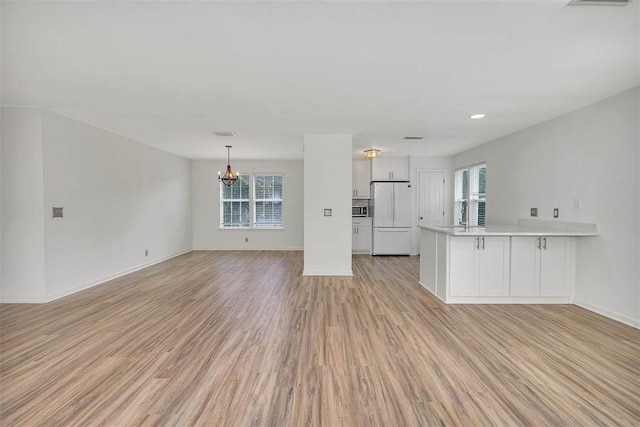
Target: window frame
(252,225)
(473,196)
(255,200)
(240,225)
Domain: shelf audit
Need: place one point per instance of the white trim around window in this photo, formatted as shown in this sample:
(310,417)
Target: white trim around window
(256,203)
(470,188)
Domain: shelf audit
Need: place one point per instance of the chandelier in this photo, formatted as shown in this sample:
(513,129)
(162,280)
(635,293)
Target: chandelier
(228,178)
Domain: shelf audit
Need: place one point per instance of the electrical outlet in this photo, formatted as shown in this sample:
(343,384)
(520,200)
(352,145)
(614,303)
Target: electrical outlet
(556,212)
(534,211)
(57,212)
(246,239)
(146,252)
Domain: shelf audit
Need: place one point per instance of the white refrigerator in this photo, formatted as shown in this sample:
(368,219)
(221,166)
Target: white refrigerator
(391,209)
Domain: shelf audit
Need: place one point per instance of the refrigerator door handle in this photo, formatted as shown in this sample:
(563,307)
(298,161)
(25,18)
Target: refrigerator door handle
(393,203)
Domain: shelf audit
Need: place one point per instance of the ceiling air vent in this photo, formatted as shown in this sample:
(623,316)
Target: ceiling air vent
(599,2)
(224,133)
(413,137)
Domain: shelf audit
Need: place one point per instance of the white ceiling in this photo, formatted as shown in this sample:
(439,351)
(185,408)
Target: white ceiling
(169,73)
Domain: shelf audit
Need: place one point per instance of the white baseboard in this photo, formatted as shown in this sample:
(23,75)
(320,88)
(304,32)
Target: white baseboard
(245,248)
(17,299)
(606,313)
(347,273)
(103,279)
(508,300)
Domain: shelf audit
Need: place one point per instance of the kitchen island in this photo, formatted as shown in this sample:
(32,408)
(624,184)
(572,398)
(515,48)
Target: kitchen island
(532,262)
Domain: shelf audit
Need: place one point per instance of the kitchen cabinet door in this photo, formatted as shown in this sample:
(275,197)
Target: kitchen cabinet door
(361,175)
(553,266)
(361,236)
(539,266)
(400,168)
(390,169)
(479,266)
(462,267)
(381,169)
(493,266)
(525,267)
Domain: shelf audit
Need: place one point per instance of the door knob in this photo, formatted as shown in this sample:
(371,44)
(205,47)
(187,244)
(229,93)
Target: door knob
(421,217)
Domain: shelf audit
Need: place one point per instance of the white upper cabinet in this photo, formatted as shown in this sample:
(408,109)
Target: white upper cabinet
(390,169)
(361,179)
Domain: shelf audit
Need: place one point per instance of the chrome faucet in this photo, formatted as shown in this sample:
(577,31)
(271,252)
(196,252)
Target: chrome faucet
(464,213)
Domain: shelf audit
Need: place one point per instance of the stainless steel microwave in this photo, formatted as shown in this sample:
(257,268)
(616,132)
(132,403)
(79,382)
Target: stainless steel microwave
(359,211)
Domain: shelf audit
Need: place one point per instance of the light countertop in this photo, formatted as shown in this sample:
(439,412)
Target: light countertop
(524,228)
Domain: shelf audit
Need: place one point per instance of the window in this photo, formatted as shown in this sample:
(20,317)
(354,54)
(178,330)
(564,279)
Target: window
(234,203)
(470,190)
(267,198)
(253,201)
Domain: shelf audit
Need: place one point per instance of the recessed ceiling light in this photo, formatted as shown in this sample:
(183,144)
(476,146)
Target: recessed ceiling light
(477,116)
(224,133)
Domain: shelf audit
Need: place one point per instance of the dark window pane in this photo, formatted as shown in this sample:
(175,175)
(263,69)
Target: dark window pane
(481,213)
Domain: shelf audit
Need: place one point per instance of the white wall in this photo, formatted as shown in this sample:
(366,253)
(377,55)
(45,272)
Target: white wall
(23,233)
(206,207)
(327,185)
(0,163)
(120,198)
(419,163)
(591,154)
(638,165)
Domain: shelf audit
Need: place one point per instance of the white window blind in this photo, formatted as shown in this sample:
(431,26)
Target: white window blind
(267,200)
(470,188)
(253,201)
(478,193)
(234,203)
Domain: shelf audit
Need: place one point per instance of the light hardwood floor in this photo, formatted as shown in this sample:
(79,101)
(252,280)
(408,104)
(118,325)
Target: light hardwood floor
(241,338)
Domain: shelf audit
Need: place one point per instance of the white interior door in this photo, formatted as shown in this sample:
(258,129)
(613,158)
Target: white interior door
(430,198)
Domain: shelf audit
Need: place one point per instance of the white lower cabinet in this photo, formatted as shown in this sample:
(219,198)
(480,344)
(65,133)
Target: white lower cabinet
(540,266)
(479,266)
(497,269)
(361,236)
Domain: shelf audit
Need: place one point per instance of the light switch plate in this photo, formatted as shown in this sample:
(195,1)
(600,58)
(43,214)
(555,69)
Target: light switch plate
(327,212)
(556,212)
(534,211)
(57,212)
(577,202)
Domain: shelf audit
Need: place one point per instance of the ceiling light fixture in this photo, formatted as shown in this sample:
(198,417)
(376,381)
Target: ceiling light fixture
(477,116)
(371,153)
(228,178)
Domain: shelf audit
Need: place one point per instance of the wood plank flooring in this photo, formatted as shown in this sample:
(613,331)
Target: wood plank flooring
(242,339)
